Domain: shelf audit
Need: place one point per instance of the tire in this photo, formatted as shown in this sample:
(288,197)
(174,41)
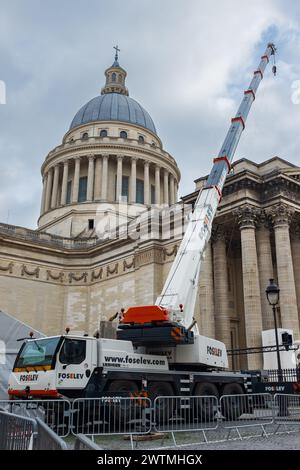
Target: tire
(204,409)
(163,408)
(124,410)
(233,407)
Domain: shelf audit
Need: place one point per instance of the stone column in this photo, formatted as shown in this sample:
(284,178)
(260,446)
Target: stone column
(281,215)
(166,187)
(157,184)
(172,190)
(90,179)
(55,187)
(119,178)
(246,217)
(133,181)
(146,183)
(97,186)
(222,319)
(49,189)
(206,321)
(104,177)
(175,191)
(43,195)
(265,268)
(76,180)
(64,186)
(295,243)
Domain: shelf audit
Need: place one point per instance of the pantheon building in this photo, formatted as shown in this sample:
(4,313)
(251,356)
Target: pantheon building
(108,172)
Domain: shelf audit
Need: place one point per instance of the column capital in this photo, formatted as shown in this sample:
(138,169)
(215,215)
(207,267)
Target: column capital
(262,220)
(280,214)
(65,162)
(246,216)
(219,233)
(146,163)
(91,156)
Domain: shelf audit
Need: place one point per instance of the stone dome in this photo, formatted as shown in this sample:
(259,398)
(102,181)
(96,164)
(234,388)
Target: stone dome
(113,107)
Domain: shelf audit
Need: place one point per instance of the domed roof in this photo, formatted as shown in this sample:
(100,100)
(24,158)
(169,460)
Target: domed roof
(113,107)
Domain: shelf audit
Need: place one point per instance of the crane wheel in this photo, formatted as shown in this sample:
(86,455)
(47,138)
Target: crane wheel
(164,407)
(205,408)
(123,410)
(233,407)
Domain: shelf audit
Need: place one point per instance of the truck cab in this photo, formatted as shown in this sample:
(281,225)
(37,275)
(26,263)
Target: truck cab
(45,368)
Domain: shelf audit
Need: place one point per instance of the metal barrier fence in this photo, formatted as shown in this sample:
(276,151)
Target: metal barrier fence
(111,415)
(286,409)
(55,413)
(85,443)
(45,438)
(17,432)
(241,411)
(132,416)
(185,413)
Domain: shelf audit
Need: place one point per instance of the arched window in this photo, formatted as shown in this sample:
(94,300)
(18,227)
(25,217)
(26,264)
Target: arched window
(103,133)
(113,77)
(85,136)
(120,78)
(123,135)
(141,139)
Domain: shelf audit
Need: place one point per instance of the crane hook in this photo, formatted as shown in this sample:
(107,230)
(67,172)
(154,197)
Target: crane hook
(274,70)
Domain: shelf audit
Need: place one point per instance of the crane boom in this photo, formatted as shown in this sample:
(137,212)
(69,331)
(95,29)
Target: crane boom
(182,282)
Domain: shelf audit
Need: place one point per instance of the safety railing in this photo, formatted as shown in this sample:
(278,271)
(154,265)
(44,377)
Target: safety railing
(285,375)
(111,415)
(208,416)
(286,409)
(185,413)
(46,438)
(16,432)
(85,443)
(246,410)
(55,413)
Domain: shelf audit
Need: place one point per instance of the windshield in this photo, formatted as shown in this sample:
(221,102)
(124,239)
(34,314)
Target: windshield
(39,352)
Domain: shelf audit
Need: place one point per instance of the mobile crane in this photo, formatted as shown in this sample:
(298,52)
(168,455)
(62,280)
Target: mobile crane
(158,350)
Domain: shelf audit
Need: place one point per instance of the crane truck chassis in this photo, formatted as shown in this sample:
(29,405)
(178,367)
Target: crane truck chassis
(158,350)
(88,367)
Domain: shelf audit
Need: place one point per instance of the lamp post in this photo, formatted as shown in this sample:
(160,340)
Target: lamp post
(272,293)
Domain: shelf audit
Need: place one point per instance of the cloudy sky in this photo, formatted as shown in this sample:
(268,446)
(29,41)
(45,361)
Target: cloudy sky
(188,62)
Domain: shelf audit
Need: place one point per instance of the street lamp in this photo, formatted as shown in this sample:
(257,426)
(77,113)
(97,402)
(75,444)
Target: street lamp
(272,293)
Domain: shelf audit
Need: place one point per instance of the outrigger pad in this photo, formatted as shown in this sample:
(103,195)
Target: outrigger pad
(149,334)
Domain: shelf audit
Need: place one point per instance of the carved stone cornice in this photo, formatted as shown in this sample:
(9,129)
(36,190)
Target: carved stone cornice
(95,275)
(280,214)
(246,216)
(26,271)
(8,268)
(54,277)
(78,277)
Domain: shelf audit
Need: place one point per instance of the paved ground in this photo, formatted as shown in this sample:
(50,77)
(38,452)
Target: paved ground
(278,442)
